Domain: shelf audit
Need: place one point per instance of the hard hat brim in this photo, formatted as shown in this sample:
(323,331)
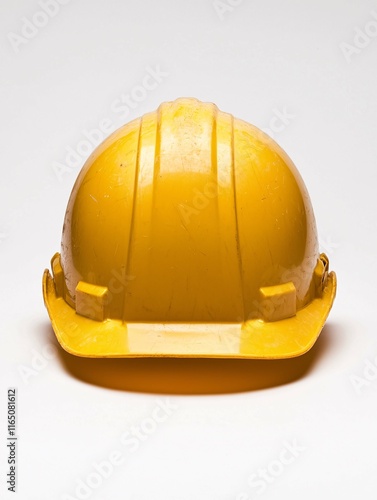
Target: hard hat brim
(253,339)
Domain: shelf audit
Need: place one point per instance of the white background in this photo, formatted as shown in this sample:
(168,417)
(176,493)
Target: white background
(255,59)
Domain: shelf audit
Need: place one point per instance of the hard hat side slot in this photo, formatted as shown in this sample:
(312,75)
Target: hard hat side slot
(57,272)
(321,272)
(278,302)
(91,301)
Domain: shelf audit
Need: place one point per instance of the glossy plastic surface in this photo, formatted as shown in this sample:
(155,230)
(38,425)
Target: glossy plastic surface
(189,233)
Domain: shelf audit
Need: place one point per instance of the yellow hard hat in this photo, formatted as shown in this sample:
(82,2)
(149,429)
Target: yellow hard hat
(189,233)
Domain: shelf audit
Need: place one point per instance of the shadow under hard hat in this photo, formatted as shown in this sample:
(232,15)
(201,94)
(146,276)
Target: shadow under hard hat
(193,376)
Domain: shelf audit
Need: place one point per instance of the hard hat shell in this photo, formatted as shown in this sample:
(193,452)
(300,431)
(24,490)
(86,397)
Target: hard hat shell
(189,233)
